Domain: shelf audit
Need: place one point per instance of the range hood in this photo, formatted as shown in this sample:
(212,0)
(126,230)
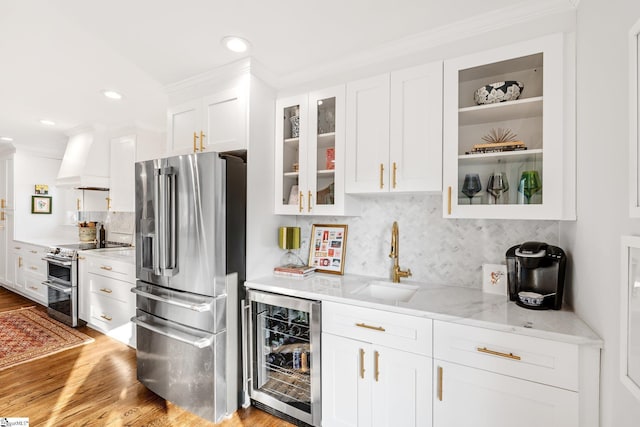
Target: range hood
(85,164)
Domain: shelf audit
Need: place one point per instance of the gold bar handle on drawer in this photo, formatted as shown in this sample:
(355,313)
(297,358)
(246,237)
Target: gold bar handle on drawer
(3,203)
(498,353)
(202,135)
(19,261)
(105,290)
(80,257)
(375,328)
(106,267)
(33,252)
(309,202)
(107,318)
(195,142)
(381,176)
(449,201)
(362,363)
(395,173)
(376,358)
(440,373)
(33,267)
(2,216)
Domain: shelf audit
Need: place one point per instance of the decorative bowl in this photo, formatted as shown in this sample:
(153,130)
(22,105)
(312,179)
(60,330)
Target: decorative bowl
(508,90)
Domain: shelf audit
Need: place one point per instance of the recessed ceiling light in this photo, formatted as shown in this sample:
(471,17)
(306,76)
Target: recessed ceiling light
(112,94)
(6,138)
(235,44)
(47,122)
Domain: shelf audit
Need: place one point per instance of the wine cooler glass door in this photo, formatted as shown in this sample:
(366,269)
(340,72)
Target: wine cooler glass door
(286,353)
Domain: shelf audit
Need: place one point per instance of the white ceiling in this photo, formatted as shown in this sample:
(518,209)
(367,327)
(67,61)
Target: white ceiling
(57,55)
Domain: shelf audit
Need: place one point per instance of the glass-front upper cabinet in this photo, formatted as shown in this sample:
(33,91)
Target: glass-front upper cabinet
(310,154)
(509,143)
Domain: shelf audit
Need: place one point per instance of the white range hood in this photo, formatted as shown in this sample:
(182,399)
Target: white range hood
(85,164)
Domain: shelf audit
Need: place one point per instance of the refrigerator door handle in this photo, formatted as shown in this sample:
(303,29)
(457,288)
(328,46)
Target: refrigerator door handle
(203,306)
(166,224)
(196,341)
(155,247)
(246,360)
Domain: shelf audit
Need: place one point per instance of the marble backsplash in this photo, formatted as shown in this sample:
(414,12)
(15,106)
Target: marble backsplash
(437,250)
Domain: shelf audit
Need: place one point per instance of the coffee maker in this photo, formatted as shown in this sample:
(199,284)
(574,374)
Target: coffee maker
(535,275)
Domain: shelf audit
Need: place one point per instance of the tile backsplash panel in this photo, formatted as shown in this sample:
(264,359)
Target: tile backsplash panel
(437,250)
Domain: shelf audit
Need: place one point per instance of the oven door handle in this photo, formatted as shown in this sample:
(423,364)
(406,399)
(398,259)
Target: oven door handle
(199,307)
(198,342)
(57,287)
(58,263)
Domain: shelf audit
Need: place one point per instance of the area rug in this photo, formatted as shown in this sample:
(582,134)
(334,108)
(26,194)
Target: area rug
(27,334)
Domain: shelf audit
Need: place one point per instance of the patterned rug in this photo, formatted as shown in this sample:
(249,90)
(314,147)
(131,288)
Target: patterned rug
(27,334)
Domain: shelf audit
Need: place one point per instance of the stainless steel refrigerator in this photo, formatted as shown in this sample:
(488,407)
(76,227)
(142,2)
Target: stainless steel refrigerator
(190,267)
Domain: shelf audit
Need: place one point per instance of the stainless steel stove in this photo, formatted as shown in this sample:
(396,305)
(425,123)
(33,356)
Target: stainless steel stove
(62,280)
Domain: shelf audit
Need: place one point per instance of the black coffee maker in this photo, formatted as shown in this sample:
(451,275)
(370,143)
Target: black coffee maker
(535,275)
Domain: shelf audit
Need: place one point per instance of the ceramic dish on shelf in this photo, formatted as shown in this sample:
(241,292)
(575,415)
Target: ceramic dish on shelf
(533,298)
(508,90)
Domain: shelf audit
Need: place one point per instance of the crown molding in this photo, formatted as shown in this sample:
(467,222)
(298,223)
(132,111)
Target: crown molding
(463,29)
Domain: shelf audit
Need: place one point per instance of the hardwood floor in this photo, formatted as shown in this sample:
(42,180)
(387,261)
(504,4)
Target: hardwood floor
(95,385)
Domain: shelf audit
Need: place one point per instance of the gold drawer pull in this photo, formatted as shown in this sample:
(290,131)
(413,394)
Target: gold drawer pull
(362,363)
(107,318)
(498,353)
(17,248)
(33,267)
(105,290)
(375,328)
(80,257)
(440,373)
(381,176)
(33,288)
(449,201)
(33,252)
(395,172)
(106,267)
(376,359)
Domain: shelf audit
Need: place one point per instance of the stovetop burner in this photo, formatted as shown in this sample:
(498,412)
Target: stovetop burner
(70,251)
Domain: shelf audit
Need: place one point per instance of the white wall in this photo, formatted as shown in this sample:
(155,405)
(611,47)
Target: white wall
(602,176)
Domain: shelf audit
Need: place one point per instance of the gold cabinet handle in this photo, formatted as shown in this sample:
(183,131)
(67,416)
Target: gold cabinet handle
(2,216)
(300,201)
(33,252)
(381,176)
(77,204)
(105,290)
(32,267)
(33,288)
(440,373)
(362,363)
(309,202)
(395,172)
(449,201)
(375,328)
(107,318)
(3,203)
(195,142)
(106,267)
(19,261)
(80,257)
(202,135)
(498,353)
(17,248)
(376,372)
(108,199)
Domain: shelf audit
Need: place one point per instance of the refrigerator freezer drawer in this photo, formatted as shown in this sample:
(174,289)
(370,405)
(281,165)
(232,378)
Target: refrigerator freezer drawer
(196,311)
(183,365)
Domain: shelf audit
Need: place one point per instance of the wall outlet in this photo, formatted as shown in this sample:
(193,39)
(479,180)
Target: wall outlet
(494,279)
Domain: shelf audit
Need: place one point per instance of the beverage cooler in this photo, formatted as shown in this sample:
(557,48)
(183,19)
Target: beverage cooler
(284,347)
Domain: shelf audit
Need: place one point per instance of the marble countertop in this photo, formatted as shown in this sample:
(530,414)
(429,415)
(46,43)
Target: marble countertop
(449,303)
(127,254)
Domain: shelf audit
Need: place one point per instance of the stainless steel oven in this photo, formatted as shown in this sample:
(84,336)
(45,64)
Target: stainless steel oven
(62,285)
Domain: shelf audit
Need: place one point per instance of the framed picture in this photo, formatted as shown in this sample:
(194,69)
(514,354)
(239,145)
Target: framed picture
(40,204)
(327,247)
(41,189)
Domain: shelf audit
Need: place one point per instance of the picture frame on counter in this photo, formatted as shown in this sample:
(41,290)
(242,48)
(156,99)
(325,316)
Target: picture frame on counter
(630,315)
(327,247)
(40,204)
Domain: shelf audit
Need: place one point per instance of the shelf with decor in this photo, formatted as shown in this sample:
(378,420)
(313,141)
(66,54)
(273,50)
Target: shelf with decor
(509,143)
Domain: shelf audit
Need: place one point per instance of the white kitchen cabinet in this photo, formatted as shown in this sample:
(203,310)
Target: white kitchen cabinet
(108,303)
(365,380)
(394,131)
(484,377)
(29,271)
(466,396)
(97,200)
(122,174)
(217,122)
(309,154)
(6,217)
(533,183)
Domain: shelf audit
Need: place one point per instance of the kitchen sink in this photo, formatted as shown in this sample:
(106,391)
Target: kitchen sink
(389,291)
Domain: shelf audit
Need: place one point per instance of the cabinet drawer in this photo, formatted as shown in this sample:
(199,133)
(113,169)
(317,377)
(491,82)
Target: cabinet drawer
(408,333)
(110,288)
(34,288)
(530,358)
(35,265)
(108,313)
(113,269)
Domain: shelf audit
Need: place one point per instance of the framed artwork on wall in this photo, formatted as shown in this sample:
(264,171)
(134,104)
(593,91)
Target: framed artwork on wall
(327,247)
(40,204)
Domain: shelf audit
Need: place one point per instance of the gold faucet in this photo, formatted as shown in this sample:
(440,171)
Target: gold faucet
(395,254)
